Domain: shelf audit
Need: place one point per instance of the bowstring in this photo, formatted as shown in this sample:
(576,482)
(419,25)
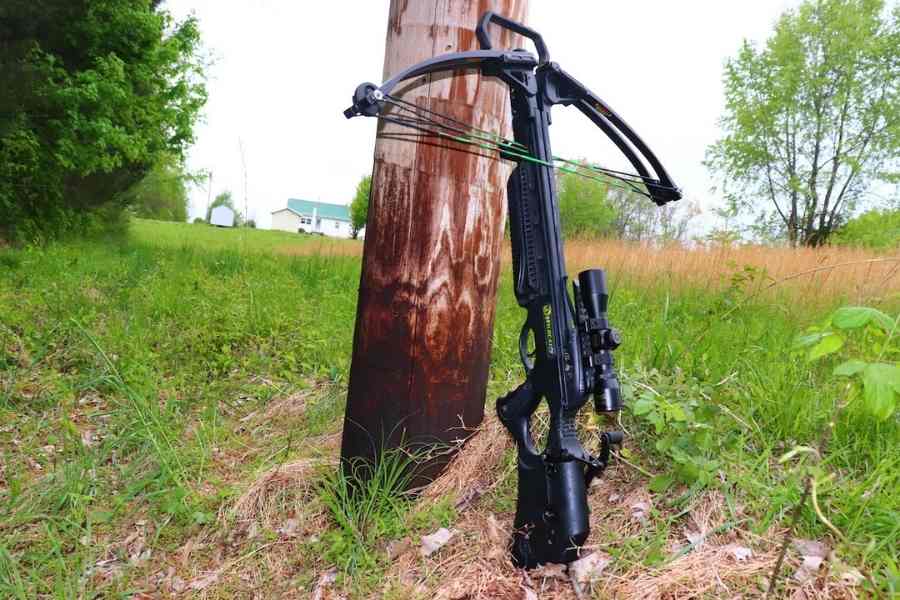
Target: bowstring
(420,119)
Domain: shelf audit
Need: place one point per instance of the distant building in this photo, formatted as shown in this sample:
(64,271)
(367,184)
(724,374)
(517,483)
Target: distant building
(222,216)
(307,216)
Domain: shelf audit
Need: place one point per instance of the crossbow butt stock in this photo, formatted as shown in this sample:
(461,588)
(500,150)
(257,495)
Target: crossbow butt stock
(567,342)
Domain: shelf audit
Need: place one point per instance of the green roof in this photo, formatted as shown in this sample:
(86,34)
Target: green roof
(306,208)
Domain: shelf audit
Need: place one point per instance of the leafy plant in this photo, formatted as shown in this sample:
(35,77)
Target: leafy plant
(684,425)
(743,283)
(866,338)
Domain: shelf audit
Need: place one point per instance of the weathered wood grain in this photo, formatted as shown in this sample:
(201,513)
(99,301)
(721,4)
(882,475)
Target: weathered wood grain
(431,257)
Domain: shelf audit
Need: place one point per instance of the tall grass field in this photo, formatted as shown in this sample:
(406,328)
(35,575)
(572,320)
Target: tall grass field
(171,404)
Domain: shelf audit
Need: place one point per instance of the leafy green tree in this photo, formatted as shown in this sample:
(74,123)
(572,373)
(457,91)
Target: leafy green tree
(877,229)
(224,199)
(92,96)
(812,120)
(163,193)
(359,207)
(584,207)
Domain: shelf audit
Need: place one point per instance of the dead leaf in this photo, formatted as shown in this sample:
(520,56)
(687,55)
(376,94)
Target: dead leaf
(852,577)
(589,568)
(740,553)
(808,568)
(107,568)
(639,511)
(87,438)
(495,531)
(811,548)
(528,593)
(456,590)
(327,578)
(252,530)
(434,542)
(289,528)
(185,554)
(204,581)
(696,538)
(813,554)
(551,571)
(397,548)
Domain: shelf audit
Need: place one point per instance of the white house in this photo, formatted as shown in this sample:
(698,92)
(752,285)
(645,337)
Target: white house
(222,216)
(307,216)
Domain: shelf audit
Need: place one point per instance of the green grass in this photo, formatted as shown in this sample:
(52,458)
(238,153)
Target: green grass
(127,366)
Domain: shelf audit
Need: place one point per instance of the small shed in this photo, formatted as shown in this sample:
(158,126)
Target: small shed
(222,216)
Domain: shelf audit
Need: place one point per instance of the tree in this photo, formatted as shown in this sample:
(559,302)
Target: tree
(359,207)
(163,193)
(812,120)
(224,199)
(877,229)
(637,219)
(94,94)
(584,208)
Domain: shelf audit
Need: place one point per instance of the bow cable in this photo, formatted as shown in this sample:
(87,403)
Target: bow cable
(424,121)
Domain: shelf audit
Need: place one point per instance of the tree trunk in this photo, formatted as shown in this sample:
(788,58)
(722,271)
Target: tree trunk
(421,349)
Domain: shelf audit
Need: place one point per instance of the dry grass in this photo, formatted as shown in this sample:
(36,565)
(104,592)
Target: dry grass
(826,273)
(471,470)
(263,500)
(474,565)
(712,552)
(321,247)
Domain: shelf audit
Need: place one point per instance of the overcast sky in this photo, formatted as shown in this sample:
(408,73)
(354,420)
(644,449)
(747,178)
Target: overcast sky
(284,70)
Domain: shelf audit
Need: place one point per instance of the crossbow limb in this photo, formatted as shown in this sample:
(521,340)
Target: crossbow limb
(572,341)
(550,84)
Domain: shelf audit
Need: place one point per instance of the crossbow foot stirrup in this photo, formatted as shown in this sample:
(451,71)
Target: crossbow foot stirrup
(572,338)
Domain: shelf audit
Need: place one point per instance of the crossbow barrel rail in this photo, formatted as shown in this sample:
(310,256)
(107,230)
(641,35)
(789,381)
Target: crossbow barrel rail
(431,257)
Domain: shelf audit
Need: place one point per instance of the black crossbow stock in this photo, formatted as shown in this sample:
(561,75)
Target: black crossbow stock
(573,340)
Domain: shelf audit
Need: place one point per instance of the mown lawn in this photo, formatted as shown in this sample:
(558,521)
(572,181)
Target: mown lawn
(142,382)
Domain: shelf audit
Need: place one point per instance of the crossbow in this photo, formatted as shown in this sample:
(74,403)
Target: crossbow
(572,337)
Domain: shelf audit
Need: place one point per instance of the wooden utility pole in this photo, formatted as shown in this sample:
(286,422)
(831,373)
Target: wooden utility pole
(424,322)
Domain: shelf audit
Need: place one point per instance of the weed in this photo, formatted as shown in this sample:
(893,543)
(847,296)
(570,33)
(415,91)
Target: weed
(688,430)
(367,505)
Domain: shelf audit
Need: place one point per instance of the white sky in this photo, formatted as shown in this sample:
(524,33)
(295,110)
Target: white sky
(284,70)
